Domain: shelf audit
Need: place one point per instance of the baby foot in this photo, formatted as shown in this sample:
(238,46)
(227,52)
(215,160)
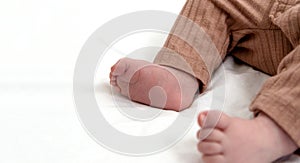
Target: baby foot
(154,85)
(235,140)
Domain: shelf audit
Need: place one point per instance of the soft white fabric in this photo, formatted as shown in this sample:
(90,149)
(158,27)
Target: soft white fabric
(39,121)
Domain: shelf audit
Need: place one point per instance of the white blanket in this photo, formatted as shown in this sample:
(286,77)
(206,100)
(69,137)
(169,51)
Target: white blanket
(39,121)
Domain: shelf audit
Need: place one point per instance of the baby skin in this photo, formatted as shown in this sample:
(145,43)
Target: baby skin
(232,140)
(153,85)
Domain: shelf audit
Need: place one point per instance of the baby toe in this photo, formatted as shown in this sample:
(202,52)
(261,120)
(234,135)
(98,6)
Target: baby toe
(210,134)
(210,148)
(213,158)
(214,119)
(119,68)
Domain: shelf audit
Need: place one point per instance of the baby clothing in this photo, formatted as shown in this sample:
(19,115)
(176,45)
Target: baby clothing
(263,34)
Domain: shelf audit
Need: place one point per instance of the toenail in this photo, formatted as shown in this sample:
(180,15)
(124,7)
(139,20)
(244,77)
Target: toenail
(202,119)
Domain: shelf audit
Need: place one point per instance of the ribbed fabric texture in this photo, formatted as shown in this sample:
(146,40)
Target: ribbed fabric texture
(280,95)
(212,20)
(263,34)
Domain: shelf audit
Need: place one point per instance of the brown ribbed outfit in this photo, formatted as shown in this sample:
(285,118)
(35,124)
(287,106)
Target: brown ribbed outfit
(264,34)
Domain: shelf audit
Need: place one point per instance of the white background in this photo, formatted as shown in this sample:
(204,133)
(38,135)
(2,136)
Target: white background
(39,43)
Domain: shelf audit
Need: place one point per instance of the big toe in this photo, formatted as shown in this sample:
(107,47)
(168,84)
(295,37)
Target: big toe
(213,119)
(118,68)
